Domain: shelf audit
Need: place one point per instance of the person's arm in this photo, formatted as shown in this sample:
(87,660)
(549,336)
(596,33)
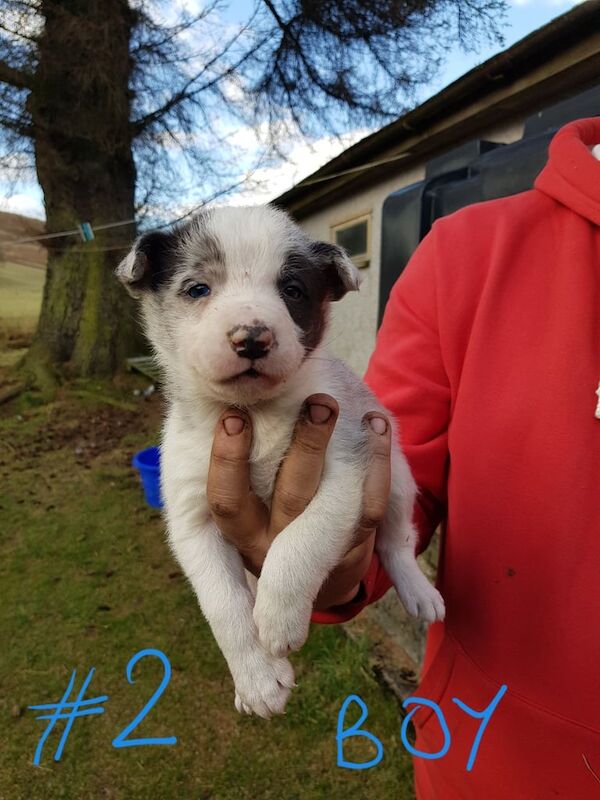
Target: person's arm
(407,373)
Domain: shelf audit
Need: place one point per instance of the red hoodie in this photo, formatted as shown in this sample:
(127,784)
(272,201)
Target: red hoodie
(489,356)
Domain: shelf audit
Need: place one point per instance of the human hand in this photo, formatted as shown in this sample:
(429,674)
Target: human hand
(247,523)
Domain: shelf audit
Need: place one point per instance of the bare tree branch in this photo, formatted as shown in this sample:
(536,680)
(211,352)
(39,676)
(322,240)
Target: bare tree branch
(173,32)
(19,34)
(17,126)
(18,78)
(190,89)
(295,67)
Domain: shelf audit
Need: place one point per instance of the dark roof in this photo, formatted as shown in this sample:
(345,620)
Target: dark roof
(535,50)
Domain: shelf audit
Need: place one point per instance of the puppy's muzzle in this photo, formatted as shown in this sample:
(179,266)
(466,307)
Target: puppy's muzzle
(251,341)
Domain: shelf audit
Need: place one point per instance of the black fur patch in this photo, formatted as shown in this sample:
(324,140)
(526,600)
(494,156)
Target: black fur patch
(309,311)
(161,248)
(330,256)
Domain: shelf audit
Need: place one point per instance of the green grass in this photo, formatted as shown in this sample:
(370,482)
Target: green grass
(21,290)
(87,580)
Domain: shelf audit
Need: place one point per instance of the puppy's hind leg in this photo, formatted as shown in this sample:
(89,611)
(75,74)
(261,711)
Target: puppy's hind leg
(396,542)
(215,570)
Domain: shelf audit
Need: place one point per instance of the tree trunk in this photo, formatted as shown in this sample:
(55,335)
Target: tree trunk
(81,114)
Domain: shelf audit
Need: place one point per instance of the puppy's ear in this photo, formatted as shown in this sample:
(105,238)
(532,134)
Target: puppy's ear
(132,271)
(342,274)
(148,262)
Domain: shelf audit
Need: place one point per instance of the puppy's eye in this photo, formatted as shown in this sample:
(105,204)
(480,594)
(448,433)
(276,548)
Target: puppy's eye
(198,290)
(293,291)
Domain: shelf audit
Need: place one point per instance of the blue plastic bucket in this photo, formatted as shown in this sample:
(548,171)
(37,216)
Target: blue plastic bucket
(147,462)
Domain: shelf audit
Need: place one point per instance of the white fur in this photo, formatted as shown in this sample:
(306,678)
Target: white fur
(255,633)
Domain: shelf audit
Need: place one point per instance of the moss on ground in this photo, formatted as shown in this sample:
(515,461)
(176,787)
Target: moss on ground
(87,580)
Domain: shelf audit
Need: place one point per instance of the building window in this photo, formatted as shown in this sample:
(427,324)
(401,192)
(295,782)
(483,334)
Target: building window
(355,237)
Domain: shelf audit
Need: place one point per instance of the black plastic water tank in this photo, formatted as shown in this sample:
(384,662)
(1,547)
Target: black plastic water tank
(474,172)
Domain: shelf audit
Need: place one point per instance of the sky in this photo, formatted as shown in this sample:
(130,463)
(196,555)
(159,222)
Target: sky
(303,158)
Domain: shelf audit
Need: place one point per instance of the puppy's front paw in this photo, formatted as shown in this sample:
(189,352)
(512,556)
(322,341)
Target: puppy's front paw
(282,625)
(262,684)
(421,599)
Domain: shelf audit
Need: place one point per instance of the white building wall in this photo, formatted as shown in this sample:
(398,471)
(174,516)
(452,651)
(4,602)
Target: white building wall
(354,319)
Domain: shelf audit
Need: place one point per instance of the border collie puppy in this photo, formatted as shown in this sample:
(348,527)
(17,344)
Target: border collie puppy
(235,303)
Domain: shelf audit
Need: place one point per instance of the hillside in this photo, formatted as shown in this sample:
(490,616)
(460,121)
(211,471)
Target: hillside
(14,226)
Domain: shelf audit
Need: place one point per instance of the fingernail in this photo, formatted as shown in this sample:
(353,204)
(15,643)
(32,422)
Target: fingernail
(233,425)
(378,425)
(318,414)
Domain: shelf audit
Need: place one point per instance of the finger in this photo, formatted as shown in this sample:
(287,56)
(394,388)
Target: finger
(376,489)
(301,470)
(344,582)
(238,513)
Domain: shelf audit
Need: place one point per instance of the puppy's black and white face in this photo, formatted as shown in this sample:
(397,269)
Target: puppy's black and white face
(236,297)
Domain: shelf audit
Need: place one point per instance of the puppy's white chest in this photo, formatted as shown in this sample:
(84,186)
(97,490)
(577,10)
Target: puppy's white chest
(264,467)
(262,478)
(270,441)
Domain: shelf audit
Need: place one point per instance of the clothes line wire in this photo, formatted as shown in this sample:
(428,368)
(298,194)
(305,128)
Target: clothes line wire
(108,225)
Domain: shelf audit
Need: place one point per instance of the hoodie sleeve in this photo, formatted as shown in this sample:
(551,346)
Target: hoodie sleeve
(407,374)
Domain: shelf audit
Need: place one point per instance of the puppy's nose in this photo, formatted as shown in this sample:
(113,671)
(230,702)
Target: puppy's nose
(251,341)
